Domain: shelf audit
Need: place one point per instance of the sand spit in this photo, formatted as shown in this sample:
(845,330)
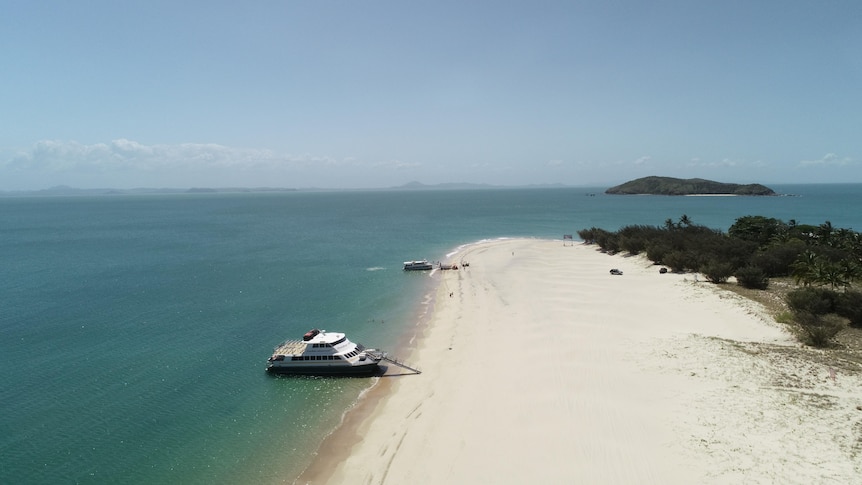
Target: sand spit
(541,367)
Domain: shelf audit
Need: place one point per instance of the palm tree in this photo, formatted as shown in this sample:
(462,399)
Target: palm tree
(804,268)
(850,271)
(831,274)
(669,225)
(824,233)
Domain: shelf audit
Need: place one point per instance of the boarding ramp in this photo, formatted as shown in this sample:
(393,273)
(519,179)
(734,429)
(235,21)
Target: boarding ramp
(385,357)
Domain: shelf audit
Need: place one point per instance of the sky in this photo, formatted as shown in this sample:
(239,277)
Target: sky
(368,94)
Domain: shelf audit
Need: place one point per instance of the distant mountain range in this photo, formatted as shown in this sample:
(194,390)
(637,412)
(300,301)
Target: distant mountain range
(64,190)
(463,186)
(673,186)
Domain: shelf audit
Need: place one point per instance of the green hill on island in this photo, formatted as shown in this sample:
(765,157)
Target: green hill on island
(673,186)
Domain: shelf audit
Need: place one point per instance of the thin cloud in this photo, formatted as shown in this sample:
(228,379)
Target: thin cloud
(397,164)
(723,163)
(642,160)
(830,159)
(52,156)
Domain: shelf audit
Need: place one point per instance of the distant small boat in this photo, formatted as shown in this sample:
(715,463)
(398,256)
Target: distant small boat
(418,265)
(324,353)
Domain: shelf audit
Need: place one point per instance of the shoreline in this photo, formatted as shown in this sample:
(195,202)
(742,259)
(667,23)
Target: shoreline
(337,444)
(541,366)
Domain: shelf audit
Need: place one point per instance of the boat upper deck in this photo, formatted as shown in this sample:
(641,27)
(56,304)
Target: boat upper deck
(317,341)
(291,347)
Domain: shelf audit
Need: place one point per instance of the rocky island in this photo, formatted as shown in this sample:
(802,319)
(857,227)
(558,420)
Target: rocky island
(674,186)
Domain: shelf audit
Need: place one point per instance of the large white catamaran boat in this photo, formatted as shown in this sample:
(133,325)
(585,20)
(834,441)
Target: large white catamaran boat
(418,265)
(324,353)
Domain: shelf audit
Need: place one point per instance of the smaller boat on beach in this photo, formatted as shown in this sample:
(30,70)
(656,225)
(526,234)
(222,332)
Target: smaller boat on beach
(326,354)
(418,265)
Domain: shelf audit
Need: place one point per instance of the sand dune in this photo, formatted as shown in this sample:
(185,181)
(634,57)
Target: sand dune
(541,367)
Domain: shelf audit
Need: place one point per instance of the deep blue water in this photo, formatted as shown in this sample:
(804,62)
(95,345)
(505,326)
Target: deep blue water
(135,329)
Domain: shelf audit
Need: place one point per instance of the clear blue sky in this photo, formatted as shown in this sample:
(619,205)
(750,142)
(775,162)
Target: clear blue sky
(357,94)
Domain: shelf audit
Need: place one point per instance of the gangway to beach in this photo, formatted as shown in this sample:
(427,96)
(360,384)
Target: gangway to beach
(401,364)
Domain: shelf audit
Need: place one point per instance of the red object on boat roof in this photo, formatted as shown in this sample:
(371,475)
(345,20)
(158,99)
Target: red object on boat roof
(310,334)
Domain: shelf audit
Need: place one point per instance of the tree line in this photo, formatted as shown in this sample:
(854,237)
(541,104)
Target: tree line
(824,261)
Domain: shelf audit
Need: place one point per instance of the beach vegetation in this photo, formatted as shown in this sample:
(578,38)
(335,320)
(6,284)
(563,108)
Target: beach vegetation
(819,330)
(823,261)
(849,306)
(814,255)
(753,277)
(758,229)
(784,317)
(677,260)
(656,251)
(778,256)
(812,300)
(718,271)
(634,239)
(823,312)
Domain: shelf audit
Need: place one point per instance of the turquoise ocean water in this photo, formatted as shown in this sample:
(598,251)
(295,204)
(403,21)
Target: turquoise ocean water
(135,329)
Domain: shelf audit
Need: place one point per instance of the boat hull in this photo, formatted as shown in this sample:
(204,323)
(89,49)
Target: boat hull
(320,370)
(417,265)
(419,268)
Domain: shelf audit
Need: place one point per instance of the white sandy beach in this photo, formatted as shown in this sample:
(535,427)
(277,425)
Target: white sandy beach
(541,367)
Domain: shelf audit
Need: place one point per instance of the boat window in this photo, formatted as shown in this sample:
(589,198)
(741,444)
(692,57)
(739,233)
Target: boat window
(342,339)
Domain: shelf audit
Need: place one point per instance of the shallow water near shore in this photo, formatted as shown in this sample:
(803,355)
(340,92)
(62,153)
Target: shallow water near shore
(136,328)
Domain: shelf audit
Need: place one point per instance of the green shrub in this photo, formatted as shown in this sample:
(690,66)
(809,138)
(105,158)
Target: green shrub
(849,305)
(816,301)
(677,261)
(632,244)
(752,277)
(717,272)
(588,236)
(656,252)
(784,317)
(777,259)
(608,241)
(819,329)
